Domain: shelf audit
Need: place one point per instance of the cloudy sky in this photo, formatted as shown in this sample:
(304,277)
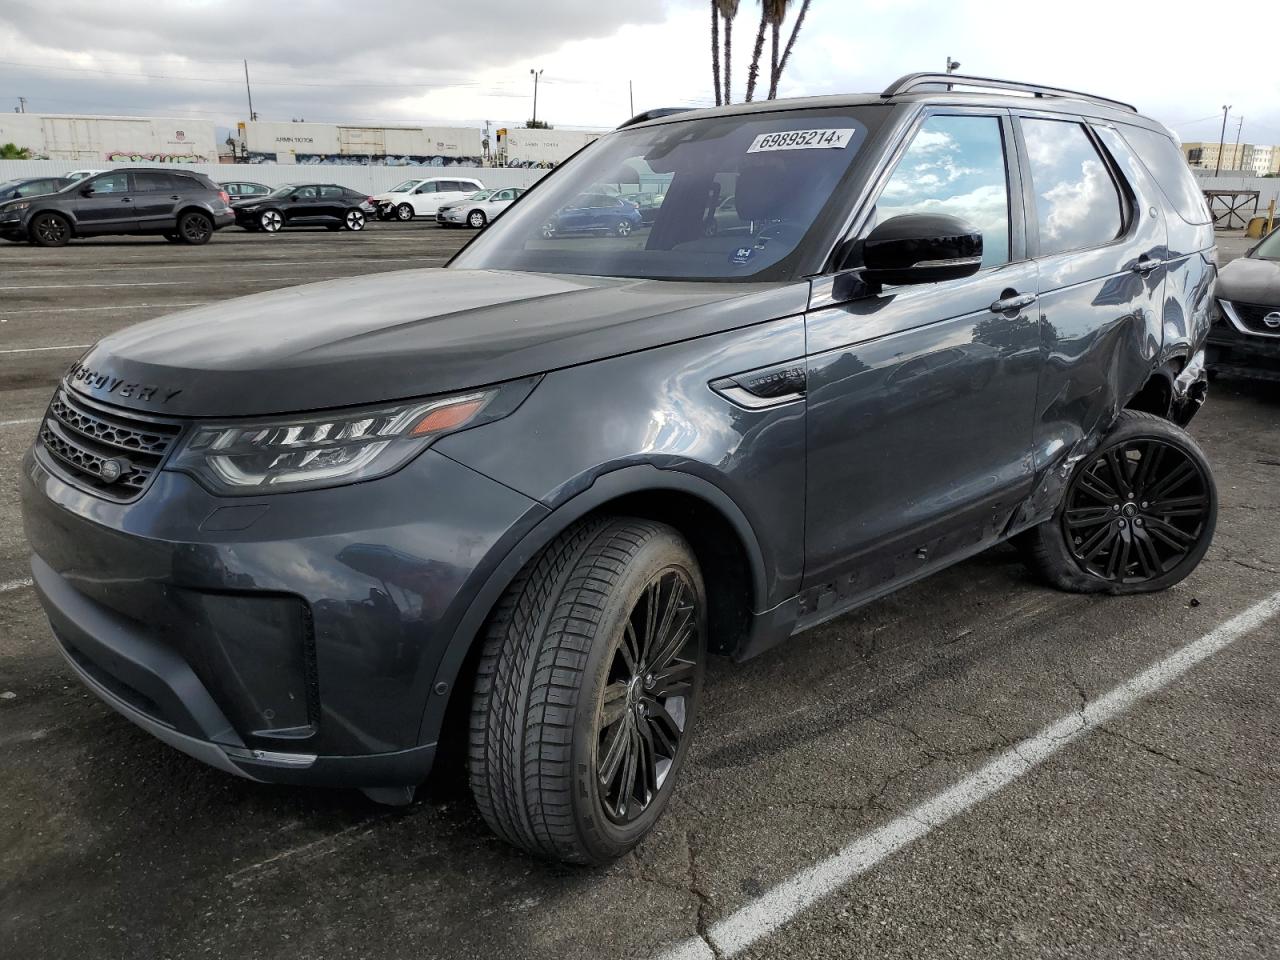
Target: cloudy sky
(465,61)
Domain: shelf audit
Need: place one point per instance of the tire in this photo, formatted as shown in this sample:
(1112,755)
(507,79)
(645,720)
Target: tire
(353,220)
(549,230)
(270,221)
(49,230)
(622,228)
(1120,528)
(477,220)
(560,641)
(404,212)
(195,229)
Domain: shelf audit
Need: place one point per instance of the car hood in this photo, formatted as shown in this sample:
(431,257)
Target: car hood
(389,196)
(1250,281)
(404,334)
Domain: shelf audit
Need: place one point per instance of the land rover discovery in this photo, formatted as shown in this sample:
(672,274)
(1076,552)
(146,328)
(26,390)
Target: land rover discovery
(303,535)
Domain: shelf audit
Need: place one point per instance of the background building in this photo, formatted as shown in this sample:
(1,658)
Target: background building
(1253,159)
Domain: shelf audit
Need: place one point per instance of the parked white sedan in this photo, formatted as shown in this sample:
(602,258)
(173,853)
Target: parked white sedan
(478,209)
(423,197)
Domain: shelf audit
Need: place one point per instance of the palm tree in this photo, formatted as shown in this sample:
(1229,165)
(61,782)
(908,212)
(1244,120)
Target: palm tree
(715,46)
(780,64)
(754,72)
(728,10)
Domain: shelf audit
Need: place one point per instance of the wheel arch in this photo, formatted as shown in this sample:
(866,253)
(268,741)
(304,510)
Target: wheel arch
(1156,395)
(720,535)
(192,208)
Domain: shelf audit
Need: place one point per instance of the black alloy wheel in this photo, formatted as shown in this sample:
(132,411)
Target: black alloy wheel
(50,230)
(1137,511)
(195,228)
(1137,514)
(645,703)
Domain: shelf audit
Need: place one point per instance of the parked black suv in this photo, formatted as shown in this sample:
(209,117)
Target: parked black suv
(179,205)
(1245,340)
(303,534)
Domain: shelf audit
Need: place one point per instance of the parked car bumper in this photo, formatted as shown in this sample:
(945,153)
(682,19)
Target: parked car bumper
(1243,353)
(293,638)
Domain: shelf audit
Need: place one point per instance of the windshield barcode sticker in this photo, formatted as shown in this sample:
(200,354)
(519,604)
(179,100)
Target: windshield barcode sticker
(801,140)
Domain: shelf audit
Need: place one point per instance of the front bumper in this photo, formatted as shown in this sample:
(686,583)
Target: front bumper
(1236,351)
(292,638)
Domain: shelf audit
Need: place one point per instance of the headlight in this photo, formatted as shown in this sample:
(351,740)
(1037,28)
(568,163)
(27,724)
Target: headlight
(15,207)
(324,450)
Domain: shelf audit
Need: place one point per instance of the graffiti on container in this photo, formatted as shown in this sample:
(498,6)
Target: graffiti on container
(367,160)
(118,157)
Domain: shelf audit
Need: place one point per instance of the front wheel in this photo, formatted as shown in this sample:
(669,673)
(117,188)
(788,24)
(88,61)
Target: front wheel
(49,230)
(354,220)
(271,221)
(1138,514)
(587,690)
(404,212)
(622,228)
(476,219)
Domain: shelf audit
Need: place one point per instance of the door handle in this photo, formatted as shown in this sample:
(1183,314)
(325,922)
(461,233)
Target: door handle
(1146,264)
(126,200)
(1012,300)
(175,197)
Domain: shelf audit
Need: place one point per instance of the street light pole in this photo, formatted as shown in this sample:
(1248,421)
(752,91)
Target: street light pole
(952,65)
(1235,152)
(536,75)
(249,91)
(1222,140)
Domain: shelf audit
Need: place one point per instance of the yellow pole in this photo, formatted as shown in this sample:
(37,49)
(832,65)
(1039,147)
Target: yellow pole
(1271,214)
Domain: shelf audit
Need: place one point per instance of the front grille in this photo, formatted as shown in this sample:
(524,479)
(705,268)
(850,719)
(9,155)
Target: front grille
(113,453)
(1251,315)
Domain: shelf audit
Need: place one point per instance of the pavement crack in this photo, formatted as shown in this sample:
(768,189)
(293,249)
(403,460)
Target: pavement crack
(1176,761)
(698,890)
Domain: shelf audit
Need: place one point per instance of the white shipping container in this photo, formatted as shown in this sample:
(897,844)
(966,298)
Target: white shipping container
(337,143)
(91,140)
(522,147)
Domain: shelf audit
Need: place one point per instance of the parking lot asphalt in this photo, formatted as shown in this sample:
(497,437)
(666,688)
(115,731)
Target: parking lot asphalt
(1151,831)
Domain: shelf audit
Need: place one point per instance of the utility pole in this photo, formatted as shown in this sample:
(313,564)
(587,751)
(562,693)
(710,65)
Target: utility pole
(22,104)
(1235,153)
(249,91)
(631,92)
(536,75)
(1222,140)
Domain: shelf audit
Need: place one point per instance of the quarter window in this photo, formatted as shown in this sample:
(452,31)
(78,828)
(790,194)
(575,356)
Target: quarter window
(1077,203)
(955,166)
(1166,164)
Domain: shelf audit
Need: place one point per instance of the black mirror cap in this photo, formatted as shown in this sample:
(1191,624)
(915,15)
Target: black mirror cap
(921,248)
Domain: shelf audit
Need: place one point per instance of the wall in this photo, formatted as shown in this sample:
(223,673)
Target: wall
(1267,187)
(372,179)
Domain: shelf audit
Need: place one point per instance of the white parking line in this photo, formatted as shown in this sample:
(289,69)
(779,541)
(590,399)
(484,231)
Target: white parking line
(162,283)
(14,585)
(119,306)
(18,423)
(769,912)
(67,346)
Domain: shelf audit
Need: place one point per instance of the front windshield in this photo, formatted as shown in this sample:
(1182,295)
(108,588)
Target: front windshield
(1269,249)
(732,198)
(404,187)
(481,195)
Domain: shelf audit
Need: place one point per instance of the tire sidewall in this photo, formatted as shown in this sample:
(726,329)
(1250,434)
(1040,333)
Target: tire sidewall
(35,236)
(605,839)
(1053,540)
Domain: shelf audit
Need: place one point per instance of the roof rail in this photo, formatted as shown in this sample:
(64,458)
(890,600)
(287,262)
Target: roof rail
(918,81)
(653,114)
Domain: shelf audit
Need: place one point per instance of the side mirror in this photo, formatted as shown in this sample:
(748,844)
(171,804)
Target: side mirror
(921,248)
(86,191)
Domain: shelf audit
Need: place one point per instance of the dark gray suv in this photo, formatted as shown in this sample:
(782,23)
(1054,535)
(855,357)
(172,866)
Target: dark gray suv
(180,205)
(304,536)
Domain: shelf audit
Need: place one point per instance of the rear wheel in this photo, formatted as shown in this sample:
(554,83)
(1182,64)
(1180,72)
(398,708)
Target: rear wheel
(195,228)
(353,220)
(404,212)
(49,230)
(587,690)
(1138,514)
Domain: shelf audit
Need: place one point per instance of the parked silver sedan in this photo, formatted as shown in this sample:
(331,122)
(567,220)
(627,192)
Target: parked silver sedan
(478,209)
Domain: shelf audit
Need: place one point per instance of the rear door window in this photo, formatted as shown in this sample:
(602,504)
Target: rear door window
(955,165)
(1077,203)
(153,182)
(1165,163)
(332,193)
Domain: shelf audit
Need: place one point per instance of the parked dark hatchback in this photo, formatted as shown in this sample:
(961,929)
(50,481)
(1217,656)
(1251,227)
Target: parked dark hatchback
(178,205)
(306,205)
(31,187)
(305,535)
(1245,340)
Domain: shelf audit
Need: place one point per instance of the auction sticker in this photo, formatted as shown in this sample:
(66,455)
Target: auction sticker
(802,140)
